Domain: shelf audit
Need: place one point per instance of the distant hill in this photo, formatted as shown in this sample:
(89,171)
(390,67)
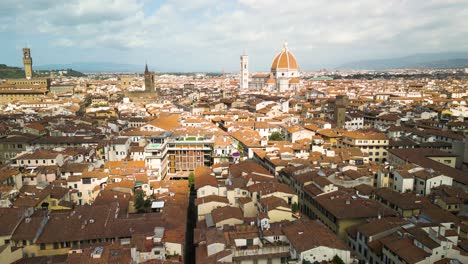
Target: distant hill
(441,64)
(114,67)
(7,72)
(446,60)
(94,67)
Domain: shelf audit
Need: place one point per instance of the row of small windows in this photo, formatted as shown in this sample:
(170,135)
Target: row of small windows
(282,74)
(37,161)
(378,153)
(371,141)
(18,95)
(372,147)
(356,124)
(68,244)
(29,82)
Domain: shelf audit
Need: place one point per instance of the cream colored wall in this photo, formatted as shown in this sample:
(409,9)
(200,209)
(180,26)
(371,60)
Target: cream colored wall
(206,208)
(236,193)
(326,254)
(8,98)
(49,250)
(240,242)
(449,161)
(30,249)
(3,238)
(265,260)
(173,248)
(206,191)
(86,189)
(7,256)
(230,222)
(383,180)
(215,248)
(455,254)
(250,210)
(126,82)
(280,215)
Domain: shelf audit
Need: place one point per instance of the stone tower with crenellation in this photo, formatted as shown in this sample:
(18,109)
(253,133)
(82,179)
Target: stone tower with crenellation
(27,61)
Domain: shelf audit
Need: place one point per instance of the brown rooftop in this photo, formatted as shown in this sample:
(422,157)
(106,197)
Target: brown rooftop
(344,205)
(227,212)
(306,235)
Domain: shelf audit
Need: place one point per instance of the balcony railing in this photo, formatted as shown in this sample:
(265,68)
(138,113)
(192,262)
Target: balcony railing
(261,251)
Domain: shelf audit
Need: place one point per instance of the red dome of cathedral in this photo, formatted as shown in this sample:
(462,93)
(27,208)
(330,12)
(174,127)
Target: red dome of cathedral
(284,60)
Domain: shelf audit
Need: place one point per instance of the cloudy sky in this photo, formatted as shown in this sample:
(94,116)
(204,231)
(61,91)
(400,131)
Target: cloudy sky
(209,35)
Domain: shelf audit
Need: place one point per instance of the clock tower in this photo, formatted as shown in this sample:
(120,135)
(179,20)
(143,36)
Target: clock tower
(27,61)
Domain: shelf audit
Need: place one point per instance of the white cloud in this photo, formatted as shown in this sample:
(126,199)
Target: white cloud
(318,30)
(64,42)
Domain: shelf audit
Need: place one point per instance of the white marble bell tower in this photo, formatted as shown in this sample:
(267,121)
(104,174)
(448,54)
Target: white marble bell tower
(244,72)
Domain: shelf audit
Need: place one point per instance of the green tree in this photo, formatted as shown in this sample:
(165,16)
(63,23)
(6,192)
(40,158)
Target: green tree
(276,136)
(141,204)
(337,260)
(7,72)
(295,207)
(191,180)
(240,149)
